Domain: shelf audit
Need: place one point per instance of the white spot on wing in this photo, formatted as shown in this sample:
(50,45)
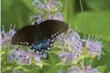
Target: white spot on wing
(51,45)
(27,43)
(55,34)
(52,36)
(36,51)
(30,46)
(52,40)
(48,48)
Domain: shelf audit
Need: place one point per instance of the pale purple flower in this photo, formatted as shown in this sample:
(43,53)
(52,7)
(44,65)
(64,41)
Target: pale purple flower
(47,9)
(25,57)
(82,69)
(89,69)
(47,5)
(71,41)
(67,57)
(75,69)
(0,38)
(6,36)
(71,46)
(12,55)
(58,16)
(94,46)
(37,58)
(20,56)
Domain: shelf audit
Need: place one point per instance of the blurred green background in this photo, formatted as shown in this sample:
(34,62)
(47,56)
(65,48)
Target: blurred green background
(94,19)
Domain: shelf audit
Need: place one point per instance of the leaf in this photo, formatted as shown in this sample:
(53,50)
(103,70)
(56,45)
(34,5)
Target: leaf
(94,23)
(14,12)
(102,68)
(99,5)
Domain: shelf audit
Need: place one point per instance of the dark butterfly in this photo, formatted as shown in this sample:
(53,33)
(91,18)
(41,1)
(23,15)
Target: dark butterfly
(39,37)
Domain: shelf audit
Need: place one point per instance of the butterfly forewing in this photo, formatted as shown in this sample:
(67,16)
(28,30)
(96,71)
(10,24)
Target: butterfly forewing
(52,27)
(28,33)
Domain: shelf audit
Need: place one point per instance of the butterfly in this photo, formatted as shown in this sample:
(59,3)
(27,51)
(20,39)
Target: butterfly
(39,37)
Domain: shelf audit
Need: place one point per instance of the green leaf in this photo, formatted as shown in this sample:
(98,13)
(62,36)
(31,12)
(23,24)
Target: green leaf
(94,23)
(14,12)
(102,68)
(99,5)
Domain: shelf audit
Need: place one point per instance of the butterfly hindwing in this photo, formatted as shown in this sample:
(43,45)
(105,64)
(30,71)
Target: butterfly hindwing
(41,46)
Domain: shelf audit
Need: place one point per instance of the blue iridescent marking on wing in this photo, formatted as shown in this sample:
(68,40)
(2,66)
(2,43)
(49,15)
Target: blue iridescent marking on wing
(42,45)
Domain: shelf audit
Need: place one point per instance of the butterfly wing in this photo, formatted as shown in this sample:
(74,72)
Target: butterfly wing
(51,28)
(39,37)
(27,34)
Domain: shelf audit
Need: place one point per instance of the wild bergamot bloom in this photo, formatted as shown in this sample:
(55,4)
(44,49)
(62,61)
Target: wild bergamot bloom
(20,56)
(47,9)
(24,57)
(82,69)
(70,45)
(88,69)
(6,36)
(94,46)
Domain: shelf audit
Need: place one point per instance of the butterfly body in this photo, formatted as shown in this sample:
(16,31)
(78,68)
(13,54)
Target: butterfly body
(39,37)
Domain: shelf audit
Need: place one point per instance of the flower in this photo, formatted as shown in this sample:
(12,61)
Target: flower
(47,5)
(25,57)
(67,57)
(47,9)
(75,69)
(82,69)
(88,69)
(37,57)
(6,37)
(94,46)
(71,41)
(20,56)
(71,46)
